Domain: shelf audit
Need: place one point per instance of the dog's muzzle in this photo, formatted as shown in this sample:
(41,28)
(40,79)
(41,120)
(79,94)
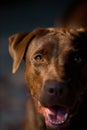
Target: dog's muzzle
(52,104)
(55,116)
(55,105)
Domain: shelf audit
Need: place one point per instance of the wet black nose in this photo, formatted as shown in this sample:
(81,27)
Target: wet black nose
(54,88)
(53,92)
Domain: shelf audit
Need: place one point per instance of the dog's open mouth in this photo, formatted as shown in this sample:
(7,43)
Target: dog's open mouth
(55,116)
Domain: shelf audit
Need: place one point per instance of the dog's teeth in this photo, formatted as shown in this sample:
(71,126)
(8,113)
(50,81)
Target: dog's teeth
(61,122)
(66,115)
(55,122)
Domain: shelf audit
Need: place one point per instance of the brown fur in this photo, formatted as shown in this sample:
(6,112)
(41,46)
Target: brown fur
(55,70)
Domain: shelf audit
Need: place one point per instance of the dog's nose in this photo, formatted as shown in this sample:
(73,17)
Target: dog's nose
(54,92)
(54,88)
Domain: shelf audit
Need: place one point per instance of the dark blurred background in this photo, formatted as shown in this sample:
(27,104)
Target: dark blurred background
(21,16)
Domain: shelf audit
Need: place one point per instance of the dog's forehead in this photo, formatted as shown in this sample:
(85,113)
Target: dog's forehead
(43,42)
(51,40)
(58,39)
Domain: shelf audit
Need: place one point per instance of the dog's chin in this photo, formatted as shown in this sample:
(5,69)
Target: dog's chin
(55,117)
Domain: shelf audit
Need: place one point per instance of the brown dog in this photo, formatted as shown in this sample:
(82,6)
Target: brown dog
(55,69)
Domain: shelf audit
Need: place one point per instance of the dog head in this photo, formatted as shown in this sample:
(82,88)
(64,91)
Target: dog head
(55,69)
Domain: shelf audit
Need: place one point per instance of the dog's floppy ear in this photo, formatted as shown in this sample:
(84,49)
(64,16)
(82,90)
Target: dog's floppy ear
(18,44)
(17,47)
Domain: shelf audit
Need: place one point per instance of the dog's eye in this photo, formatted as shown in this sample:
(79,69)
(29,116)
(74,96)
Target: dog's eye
(77,59)
(38,58)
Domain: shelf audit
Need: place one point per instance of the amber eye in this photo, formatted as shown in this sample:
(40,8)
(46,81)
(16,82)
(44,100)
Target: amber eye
(38,58)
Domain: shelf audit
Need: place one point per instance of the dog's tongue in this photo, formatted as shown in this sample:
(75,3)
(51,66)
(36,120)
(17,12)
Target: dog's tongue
(57,115)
